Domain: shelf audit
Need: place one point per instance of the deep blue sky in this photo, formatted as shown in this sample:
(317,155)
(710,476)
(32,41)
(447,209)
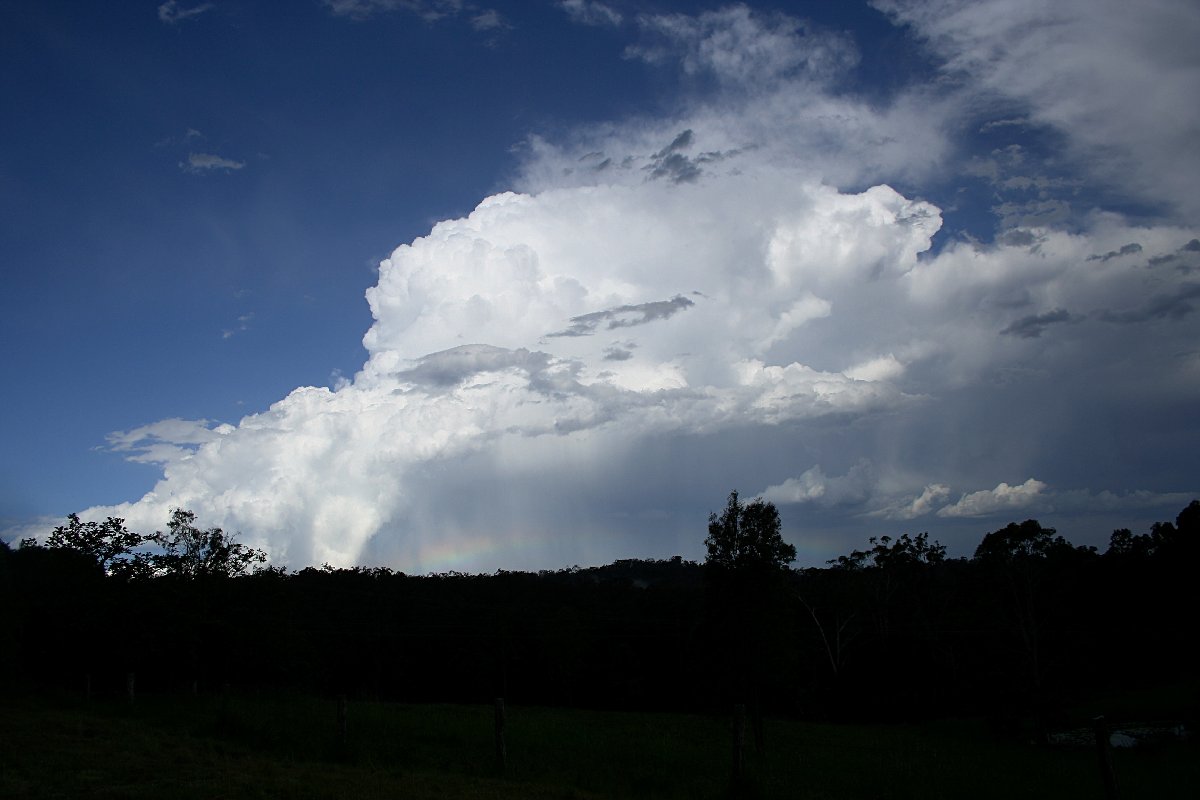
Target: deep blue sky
(195,197)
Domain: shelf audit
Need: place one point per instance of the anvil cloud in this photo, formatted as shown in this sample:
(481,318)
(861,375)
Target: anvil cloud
(752,290)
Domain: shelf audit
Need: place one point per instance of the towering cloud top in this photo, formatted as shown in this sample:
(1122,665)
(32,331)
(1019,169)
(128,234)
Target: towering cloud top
(738,292)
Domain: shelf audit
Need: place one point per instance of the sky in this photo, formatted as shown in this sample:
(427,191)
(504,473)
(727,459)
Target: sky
(454,285)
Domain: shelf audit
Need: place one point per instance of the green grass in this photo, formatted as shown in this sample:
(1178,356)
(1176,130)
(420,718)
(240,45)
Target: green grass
(286,746)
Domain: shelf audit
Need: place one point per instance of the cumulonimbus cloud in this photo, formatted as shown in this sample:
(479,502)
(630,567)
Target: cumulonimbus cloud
(537,348)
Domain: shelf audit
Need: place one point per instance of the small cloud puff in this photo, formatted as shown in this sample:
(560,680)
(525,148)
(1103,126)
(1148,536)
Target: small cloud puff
(200,163)
(171,12)
(1002,499)
(428,10)
(932,496)
(591,12)
(815,487)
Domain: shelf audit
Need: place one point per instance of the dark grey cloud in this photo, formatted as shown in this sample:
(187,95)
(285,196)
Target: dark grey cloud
(1031,327)
(1018,237)
(451,367)
(625,316)
(546,374)
(617,353)
(676,168)
(1163,306)
(681,142)
(1126,250)
(672,164)
(1040,213)
(1185,259)
(596,161)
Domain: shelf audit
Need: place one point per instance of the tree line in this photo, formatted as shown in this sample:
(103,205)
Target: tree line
(1029,623)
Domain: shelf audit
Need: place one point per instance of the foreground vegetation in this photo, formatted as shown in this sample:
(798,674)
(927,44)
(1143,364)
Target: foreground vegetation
(267,745)
(187,671)
(1028,626)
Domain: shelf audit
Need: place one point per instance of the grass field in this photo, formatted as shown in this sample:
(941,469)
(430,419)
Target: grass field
(288,746)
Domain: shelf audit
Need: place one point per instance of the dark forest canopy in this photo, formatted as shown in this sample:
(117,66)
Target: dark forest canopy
(896,629)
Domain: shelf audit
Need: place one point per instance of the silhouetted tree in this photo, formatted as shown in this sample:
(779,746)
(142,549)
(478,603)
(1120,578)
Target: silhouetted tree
(1034,575)
(110,544)
(890,569)
(1018,542)
(1181,540)
(746,538)
(189,552)
(898,587)
(746,564)
(1124,543)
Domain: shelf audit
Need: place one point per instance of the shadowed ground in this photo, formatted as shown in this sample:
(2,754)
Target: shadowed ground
(242,746)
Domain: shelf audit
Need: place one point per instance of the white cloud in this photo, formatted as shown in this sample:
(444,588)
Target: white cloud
(932,496)
(700,284)
(166,441)
(199,163)
(489,20)
(815,487)
(463,362)
(243,325)
(1003,499)
(1118,78)
(428,10)
(882,368)
(171,13)
(590,12)
(743,47)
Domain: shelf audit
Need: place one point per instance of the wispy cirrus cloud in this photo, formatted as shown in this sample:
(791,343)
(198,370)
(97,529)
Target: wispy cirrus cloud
(481,19)
(166,441)
(243,325)
(591,12)
(172,13)
(201,163)
(741,47)
(1097,72)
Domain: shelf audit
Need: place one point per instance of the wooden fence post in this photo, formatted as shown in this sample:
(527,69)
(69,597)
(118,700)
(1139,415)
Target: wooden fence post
(501,748)
(756,723)
(739,740)
(1104,752)
(341,718)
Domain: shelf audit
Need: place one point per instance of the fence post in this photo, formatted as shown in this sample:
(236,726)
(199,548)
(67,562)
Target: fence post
(739,740)
(501,748)
(756,724)
(1104,752)
(341,718)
